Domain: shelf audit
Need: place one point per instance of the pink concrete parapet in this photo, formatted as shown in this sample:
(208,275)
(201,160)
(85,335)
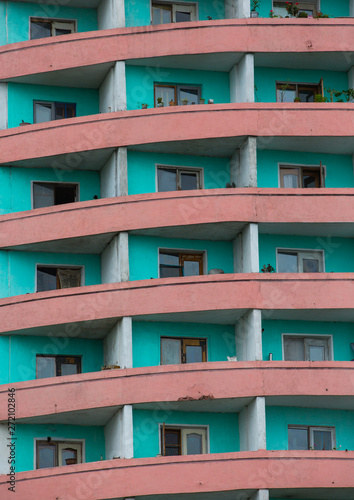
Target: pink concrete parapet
(193,474)
(178,383)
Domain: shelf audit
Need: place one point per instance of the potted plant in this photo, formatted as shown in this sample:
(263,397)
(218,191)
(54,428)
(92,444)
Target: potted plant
(144,105)
(320,15)
(171,103)
(255,6)
(268,268)
(320,98)
(210,101)
(292,8)
(160,103)
(303,14)
(185,102)
(297,99)
(201,101)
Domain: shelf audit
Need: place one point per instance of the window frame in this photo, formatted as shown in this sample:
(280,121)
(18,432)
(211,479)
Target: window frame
(58,266)
(310,429)
(177,88)
(303,85)
(183,428)
(173,5)
(183,343)
(58,441)
(183,252)
(53,109)
(314,337)
(67,184)
(302,167)
(52,20)
(301,251)
(302,5)
(78,363)
(179,169)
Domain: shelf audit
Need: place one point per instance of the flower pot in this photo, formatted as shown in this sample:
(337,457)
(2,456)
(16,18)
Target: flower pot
(254,13)
(201,101)
(160,104)
(144,106)
(185,102)
(171,103)
(210,101)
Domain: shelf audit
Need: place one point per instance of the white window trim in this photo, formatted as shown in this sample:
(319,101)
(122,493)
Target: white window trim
(185,426)
(61,440)
(193,4)
(65,266)
(52,20)
(187,250)
(200,170)
(303,251)
(309,335)
(313,428)
(77,184)
(300,165)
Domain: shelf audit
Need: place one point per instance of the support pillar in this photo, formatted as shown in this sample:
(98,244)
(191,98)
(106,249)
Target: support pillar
(115,260)
(242,80)
(113,92)
(114,175)
(3,106)
(117,346)
(243,167)
(237,9)
(119,434)
(260,495)
(245,247)
(252,426)
(111,14)
(248,333)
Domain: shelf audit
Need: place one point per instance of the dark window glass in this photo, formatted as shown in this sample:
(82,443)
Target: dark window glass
(46,456)
(188,181)
(166,179)
(298,439)
(182,17)
(46,279)
(40,29)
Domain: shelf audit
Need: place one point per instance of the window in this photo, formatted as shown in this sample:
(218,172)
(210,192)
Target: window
(43,28)
(173,264)
(163,13)
(302,348)
(292,176)
(175,351)
(57,366)
(177,94)
(54,278)
(183,440)
(300,261)
(48,194)
(287,92)
(310,7)
(57,453)
(45,111)
(314,438)
(178,178)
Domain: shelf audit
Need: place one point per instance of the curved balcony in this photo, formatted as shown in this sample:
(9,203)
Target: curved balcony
(229,472)
(216,299)
(220,41)
(99,394)
(173,129)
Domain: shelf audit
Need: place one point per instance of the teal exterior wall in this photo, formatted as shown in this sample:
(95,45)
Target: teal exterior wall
(26,434)
(338,252)
(140,83)
(333,9)
(223,429)
(21,97)
(16,185)
(265,80)
(339,168)
(144,254)
(20,277)
(20,353)
(147,343)
(342,335)
(279,417)
(142,170)
(138,12)
(18,14)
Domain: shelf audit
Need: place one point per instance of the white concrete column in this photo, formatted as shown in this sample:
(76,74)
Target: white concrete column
(119,434)
(245,246)
(243,167)
(242,80)
(248,332)
(4,453)
(111,14)
(113,92)
(114,175)
(252,426)
(3,106)
(260,495)
(118,345)
(115,260)
(237,9)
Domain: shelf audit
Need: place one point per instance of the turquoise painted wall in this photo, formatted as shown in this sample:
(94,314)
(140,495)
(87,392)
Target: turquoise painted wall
(20,277)
(333,9)
(342,336)
(142,170)
(223,429)
(140,83)
(266,78)
(143,254)
(21,97)
(279,417)
(22,351)
(25,445)
(338,251)
(339,168)
(138,12)
(146,340)
(16,185)
(18,14)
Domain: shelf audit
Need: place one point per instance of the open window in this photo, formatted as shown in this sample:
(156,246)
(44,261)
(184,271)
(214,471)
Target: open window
(48,194)
(57,453)
(190,94)
(300,261)
(54,278)
(177,440)
(178,178)
(308,437)
(308,6)
(57,366)
(41,27)
(293,176)
(306,92)
(46,111)
(175,351)
(180,263)
(306,348)
(164,13)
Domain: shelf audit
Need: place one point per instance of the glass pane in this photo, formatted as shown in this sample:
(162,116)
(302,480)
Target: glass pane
(191,94)
(46,279)
(172,451)
(194,354)
(166,179)
(170,352)
(166,93)
(317,353)
(298,439)
(42,112)
(161,15)
(307,95)
(290,181)
(59,31)
(182,17)
(286,95)
(43,195)
(69,456)
(309,181)
(191,268)
(46,456)
(172,437)
(69,369)
(65,194)
(194,444)
(40,30)
(45,367)
(287,262)
(69,278)
(310,266)
(188,181)
(294,349)
(322,440)
(170,271)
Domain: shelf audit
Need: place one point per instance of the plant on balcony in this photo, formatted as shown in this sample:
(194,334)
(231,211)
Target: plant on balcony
(284,88)
(185,102)
(320,98)
(268,268)
(292,8)
(172,103)
(348,94)
(271,14)
(297,99)
(144,105)
(333,94)
(303,14)
(201,101)
(320,15)
(160,103)
(255,6)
